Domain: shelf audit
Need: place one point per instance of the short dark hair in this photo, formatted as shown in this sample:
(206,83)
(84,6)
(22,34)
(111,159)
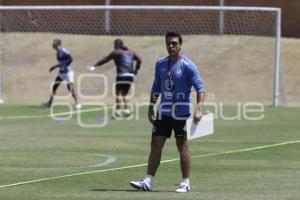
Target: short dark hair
(174,34)
(119,42)
(57,41)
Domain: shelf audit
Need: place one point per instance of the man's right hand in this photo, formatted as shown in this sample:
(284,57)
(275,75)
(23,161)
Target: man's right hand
(151,114)
(91,68)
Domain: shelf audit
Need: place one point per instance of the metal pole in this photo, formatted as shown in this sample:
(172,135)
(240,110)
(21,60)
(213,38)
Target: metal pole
(221,19)
(277,80)
(107,17)
(1,58)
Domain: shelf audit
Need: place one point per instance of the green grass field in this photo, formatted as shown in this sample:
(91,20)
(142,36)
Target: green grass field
(33,146)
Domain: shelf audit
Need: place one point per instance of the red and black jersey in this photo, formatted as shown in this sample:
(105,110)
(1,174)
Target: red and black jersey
(124,60)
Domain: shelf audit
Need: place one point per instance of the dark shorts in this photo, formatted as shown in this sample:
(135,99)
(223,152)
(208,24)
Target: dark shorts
(123,84)
(165,125)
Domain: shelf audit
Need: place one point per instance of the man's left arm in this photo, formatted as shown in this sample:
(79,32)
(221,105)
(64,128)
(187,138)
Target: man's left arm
(198,84)
(138,62)
(199,107)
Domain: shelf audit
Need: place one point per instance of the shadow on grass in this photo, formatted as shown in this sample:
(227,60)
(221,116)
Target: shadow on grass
(129,190)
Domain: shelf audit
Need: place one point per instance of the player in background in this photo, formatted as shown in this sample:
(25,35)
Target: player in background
(175,75)
(126,71)
(65,73)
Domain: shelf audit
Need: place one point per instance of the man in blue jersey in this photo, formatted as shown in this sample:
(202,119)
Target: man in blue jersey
(65,73)
(124,60)
(175,75)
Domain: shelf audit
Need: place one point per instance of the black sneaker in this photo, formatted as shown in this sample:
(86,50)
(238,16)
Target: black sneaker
(46,104)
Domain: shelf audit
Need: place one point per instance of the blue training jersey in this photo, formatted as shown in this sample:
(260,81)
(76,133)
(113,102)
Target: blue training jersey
(174,80)
(64,60)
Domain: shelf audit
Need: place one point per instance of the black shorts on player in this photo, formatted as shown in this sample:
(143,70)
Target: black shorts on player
(123,85)
(165,125)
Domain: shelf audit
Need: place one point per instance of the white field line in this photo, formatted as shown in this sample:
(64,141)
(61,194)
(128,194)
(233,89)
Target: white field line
(54,115)
(109,159)
(145,164)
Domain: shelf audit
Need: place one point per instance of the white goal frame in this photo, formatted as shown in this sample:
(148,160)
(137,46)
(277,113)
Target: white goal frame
(276,88)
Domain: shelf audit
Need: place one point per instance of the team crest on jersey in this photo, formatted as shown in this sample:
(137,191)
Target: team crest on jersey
(178,72)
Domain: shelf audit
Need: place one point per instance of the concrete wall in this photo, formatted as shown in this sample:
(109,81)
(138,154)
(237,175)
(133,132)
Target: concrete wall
(290,8)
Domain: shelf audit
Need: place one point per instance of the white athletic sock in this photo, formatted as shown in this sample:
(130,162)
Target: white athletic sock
(149,179)
(186,181)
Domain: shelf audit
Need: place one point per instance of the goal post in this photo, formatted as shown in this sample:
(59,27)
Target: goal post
(223,33)
(1,60)
(277,75)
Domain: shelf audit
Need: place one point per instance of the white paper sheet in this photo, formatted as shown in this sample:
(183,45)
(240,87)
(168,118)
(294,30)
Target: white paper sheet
(202,128)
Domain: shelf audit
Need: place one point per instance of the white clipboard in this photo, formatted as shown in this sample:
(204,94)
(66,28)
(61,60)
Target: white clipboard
(202,128)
